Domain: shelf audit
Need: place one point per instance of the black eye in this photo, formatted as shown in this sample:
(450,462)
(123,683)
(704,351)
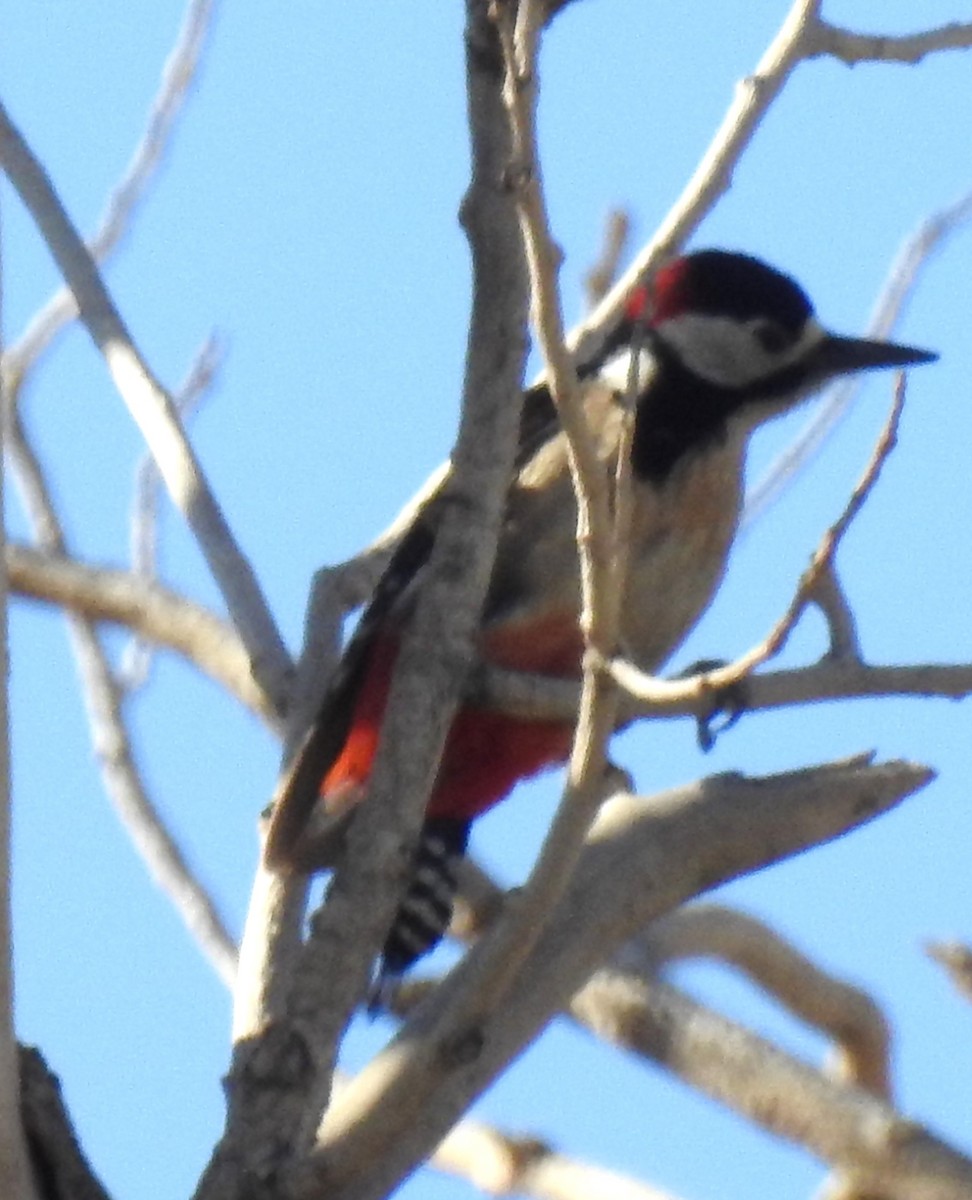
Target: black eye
(773,338)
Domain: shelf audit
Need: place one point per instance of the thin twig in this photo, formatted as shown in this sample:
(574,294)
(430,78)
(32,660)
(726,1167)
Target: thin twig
(754,96)
(956,958)
(540,697)
(178,75)
(901,282)
(829,596)
(123,782)
(851,47)
(603,273)
(136,659)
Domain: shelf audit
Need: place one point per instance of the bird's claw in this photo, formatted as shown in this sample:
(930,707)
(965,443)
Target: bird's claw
(726,704)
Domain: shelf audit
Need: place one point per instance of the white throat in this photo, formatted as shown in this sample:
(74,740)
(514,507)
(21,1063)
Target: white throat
(623,371)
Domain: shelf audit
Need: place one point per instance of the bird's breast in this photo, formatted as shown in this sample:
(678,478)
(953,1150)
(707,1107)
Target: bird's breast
(679,540)
(681,535)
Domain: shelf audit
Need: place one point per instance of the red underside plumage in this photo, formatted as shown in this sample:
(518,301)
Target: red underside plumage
(486,752)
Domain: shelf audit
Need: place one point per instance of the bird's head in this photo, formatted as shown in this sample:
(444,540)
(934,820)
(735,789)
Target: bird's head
(737,324)
(722,341)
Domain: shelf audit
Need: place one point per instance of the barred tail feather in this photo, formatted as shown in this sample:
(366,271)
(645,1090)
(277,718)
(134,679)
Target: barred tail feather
(426,908)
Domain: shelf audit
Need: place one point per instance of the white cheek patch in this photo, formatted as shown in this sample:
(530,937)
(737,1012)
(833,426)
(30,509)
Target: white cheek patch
(727,352)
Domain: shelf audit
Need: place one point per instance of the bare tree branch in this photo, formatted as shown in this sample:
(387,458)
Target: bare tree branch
(711,179)
(280,1081)
(152,610)
(144,524)
(501,1165)
(102,593)
(841,1125)
(643,858)
(518,36)
(15,1173)
(542,697)
(846,1013)
(627,1005)
(273,932)
(496,1162)
(208,641)
(153,411)
(852,48)
(492,1160)
(178,75)
(123,782)
(58,1161)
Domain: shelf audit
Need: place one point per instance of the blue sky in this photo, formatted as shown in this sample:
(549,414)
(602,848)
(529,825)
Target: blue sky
(307,214)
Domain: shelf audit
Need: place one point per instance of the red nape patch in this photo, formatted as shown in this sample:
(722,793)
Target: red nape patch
(637,307)
(486,753)
(670,290)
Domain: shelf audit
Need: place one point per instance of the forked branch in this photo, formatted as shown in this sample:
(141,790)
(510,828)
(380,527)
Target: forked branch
(152,409)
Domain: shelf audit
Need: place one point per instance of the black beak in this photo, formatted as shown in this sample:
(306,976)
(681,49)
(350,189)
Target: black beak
(841,356)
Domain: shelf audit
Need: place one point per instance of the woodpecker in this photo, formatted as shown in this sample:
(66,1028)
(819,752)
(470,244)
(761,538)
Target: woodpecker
(722,342)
